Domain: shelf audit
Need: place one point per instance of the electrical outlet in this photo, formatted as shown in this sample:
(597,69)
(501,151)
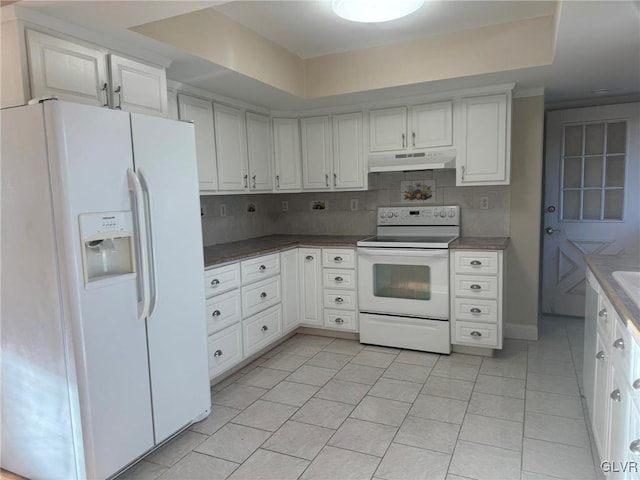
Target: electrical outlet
(354,204)
(484,203)
(285,206)
(203,210)
(223,210)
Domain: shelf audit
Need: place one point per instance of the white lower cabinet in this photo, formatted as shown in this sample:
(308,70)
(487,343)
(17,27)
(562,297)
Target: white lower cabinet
(261,329)
(260,295)
(290,278)
(223,310)
(225,350)
(311,286)
(341,319)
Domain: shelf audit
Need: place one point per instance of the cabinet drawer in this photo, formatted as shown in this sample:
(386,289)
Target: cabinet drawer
(606,317)
(476,262)
(468,333)
(476,310)
(342,299)
(225,350)
(221,279)
(476,286)
(341,320)
(223,310)
(334,278)
(338,257)
(622,350)
(261,295)
(260,267)
(261,329)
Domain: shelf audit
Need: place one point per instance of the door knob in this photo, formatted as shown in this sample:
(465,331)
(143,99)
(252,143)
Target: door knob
(551,230)
(551,208)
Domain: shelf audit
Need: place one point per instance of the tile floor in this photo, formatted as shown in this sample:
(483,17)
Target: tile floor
(323,408)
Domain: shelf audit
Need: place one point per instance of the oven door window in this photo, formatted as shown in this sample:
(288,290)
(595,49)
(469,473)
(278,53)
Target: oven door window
(402,281)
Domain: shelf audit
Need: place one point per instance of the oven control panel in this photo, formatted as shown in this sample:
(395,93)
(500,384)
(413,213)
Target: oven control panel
(432,215)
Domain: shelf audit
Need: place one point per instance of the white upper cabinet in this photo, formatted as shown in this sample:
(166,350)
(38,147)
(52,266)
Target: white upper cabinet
(288,161)
(67,70)
(485,133)
(200,112)
(259,152)
(231,149)
(316,153)
(172,105)
(137,87)
(426,126)
(348,157)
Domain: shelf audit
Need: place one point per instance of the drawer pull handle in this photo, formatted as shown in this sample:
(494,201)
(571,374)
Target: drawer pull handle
(339,320)
(264,328)
(476,263)
(263,295)
(475,310)
(215,282)
(616,396)
(619,344)
(636,384)
(216,313)
(339,300)
(262,268)
(476,334)
(339,279)
(337,259)
(634,447)
(600,355)
(217,353)
(309,257)
(603,313)
(475,286)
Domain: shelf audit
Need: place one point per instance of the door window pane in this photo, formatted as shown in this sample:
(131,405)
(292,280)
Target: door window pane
(592,203)
(593,172)
(615,171)
(594,139)
(617,137)
(613,204)
(571,205)
(573,140)
(572,172)
(402,281)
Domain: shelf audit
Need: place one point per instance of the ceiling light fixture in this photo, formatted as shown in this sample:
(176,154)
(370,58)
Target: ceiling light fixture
(374,11)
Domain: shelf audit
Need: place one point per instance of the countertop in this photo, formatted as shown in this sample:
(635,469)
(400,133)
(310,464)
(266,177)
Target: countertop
(602,267)
(481,243)
(229,252)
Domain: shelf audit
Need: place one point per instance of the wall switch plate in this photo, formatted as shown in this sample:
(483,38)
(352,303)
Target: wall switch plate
(484,203)
(203,210)
(354,204)
(285,206)
(223,210)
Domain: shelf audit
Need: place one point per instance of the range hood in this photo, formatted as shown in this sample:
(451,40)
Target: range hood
(399,162)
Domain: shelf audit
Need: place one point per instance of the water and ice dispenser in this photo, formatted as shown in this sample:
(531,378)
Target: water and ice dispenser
(107,246)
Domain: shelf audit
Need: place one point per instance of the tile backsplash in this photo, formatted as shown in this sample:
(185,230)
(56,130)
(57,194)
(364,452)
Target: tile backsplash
(338,218)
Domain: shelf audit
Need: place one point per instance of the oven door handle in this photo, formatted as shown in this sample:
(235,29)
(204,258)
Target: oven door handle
(411,252)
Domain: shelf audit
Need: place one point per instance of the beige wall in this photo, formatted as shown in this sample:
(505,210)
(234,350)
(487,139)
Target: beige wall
(526,195)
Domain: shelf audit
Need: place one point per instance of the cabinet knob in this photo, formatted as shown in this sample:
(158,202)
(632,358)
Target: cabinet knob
(217,353)
(337,259)
(339,320)
(277,181)
(215,282)
(634,447)
(476,334)
(475,286)
(636,384)
(476,263)
(262,268)
(264,328)
(338,279)
(263,295)
(339,300)
(603,313)
(619,344)
(475,310)
(309,257)
(216,313)
(615,395)
(600,355)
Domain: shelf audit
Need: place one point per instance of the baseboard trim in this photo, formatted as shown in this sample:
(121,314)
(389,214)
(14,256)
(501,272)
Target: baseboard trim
(521,332)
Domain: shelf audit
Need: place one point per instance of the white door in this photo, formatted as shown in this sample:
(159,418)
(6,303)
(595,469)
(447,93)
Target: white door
(311,286)
(164,156)
(388,129)
(231,148)
(259,152)
(348,158)
(316,153)
(431,125)
(591,200)
(288,160)
(138,87)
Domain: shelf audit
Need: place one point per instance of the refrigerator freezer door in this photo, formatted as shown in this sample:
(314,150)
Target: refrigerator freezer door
(165,162)
(89,154)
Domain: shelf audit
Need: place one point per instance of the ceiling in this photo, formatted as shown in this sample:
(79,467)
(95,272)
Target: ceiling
(597,43)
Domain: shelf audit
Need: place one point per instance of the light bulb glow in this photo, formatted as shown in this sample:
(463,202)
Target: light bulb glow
(374,11)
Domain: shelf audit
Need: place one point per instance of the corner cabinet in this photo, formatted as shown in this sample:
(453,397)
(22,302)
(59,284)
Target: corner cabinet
(287,155)
(484,153)
(316,153)
(231,148)
(259,152)
(348,158)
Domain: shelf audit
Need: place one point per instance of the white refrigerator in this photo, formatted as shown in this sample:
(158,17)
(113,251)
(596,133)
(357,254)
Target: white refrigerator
(104,350)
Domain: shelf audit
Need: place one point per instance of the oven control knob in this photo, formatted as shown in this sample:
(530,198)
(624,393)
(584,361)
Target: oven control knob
(443,213)
(383,214)
(452,213)
(396,214)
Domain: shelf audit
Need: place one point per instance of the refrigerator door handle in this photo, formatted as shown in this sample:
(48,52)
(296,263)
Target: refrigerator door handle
(141,225)
(151,265)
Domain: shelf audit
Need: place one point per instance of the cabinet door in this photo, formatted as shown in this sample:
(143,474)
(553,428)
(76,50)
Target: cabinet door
(138,87)
(431,125)
(348,158)
(483,154)
(601,401)
(388,129)
(316,153)
(311,286)
(620,409)
(290,276)
(288,160)
(70,71)
(259,152)
(200,112)
(231,148)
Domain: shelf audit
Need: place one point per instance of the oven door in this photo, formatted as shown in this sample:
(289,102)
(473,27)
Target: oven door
(409,282)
